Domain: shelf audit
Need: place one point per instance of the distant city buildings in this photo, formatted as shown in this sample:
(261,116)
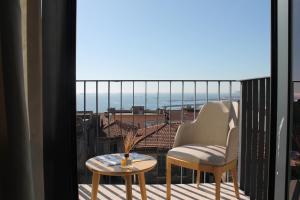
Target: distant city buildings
(102,133)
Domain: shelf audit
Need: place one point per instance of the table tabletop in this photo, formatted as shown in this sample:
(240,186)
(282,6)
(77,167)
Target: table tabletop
(96,166)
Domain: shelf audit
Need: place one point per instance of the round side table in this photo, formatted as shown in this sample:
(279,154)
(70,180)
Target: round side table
(138,167)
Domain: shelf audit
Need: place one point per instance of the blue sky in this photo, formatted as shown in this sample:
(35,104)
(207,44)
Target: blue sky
(173,39)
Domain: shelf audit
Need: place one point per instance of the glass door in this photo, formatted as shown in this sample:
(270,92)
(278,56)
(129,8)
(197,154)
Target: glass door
(294,161)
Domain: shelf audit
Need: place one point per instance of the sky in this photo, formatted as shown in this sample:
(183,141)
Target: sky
(173,39)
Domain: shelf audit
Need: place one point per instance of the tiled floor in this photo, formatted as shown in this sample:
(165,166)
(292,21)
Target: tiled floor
(158,192)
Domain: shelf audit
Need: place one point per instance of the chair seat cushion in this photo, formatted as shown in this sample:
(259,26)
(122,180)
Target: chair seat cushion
(202,154)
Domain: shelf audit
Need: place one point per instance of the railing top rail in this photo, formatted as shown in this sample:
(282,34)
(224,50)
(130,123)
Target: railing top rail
(258,78)
(174,80)
(177,80)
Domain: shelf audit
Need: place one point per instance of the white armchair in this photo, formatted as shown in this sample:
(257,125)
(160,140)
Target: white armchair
(209,144)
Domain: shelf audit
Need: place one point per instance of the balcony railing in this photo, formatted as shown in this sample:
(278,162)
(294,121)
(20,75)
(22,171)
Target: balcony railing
(155,108)
(255,140)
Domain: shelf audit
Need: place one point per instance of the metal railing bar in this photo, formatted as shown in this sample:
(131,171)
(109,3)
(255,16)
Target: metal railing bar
(84,106)
(84,100)
(195,100)
(145,108)
(108,105)
(227,174)
(170,84)
(121,104)
(204,174)
(157,104)
(157,107)
(133,101)
(182,99)
(219,90)
(206,91)
(97,97)
(230,90)
(98,118)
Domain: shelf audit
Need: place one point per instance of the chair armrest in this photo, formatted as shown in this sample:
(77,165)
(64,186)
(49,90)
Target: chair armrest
(232,144)
(182,134)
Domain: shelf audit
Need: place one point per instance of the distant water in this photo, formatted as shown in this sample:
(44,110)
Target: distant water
(152,102)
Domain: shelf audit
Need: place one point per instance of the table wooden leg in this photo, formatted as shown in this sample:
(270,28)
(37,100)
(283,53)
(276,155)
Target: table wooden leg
(128,187)
(95,184)
(142,185)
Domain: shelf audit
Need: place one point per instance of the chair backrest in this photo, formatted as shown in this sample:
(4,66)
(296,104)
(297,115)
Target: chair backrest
(234,114)
(214,121)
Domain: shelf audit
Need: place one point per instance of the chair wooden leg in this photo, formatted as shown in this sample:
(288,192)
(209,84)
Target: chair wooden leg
(95,184)
(198,178)
(235,183)
(218,177)
(168,180)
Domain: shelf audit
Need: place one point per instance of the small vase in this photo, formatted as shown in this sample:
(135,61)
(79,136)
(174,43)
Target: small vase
(126,161)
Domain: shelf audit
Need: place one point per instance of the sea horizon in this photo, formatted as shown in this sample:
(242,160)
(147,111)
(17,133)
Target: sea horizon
(151,102)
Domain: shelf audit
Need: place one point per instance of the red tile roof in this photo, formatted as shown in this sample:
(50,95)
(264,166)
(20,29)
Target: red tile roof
(163,138)
(117,128)
(157,136)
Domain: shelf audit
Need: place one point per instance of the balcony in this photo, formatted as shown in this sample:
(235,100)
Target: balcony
(154,109)
(158,192)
